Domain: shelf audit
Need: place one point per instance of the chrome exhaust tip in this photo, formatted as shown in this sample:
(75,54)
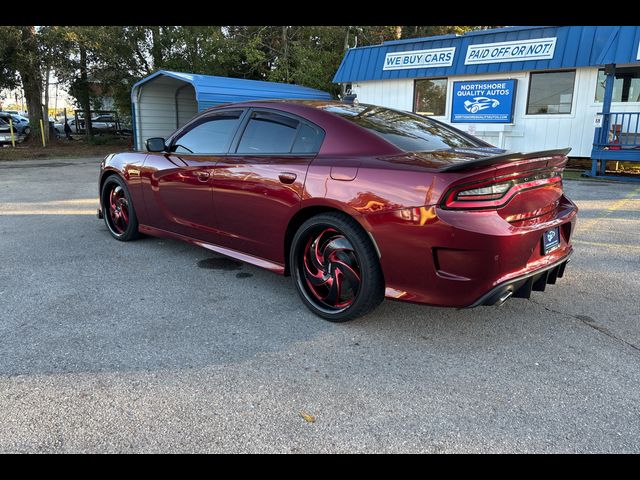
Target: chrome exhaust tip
(505,296)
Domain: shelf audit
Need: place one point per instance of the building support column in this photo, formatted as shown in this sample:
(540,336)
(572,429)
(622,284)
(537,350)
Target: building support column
(610,72)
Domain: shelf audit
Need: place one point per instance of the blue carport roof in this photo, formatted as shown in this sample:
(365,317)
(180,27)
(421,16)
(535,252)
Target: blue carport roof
(213,90)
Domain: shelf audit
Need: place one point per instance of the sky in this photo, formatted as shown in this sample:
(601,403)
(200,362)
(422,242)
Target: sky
(8,97)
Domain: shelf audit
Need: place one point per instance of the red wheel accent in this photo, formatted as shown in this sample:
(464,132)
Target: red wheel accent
(330,269)
(118,209)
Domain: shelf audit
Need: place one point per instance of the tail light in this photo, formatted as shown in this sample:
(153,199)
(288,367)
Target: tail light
(496,192)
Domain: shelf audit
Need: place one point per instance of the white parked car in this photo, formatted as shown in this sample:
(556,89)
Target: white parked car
(99,123)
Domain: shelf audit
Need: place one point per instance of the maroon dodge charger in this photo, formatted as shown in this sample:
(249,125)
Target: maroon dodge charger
(356,202)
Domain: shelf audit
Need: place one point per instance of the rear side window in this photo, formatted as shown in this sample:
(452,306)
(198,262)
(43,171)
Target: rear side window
(212,136)
(268,132)
(308,140)
(409,132)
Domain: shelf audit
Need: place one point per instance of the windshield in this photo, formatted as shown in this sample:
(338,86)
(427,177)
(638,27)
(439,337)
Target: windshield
(407,131)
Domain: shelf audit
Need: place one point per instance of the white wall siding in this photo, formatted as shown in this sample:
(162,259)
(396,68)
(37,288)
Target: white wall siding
(156,108)
(528,132)
(187,105)
(387,93)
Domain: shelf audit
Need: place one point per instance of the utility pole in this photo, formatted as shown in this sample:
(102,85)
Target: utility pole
(285,48)
(86,100)
(343,86)
(45,109)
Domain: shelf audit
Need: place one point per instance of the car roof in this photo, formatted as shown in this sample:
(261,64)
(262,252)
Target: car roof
(345,137)
(282,104)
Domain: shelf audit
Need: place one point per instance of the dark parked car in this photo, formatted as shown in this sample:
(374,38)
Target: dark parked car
(355,202)
(20,124)
(5,133)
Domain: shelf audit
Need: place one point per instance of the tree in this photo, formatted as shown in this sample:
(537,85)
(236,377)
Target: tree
(431,30)
(20,61)
(116,57)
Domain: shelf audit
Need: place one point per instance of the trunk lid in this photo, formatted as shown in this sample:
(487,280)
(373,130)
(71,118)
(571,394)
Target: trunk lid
(525,189)
(479,158)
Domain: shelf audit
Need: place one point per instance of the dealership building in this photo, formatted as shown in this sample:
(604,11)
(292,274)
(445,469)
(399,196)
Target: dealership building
(519,88)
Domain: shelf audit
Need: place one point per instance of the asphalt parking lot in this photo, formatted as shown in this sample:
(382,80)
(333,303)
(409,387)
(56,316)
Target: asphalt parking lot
(151,346)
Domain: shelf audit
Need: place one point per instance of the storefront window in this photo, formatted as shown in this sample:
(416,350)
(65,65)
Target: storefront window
(550,92)
(626,86)
(430,96)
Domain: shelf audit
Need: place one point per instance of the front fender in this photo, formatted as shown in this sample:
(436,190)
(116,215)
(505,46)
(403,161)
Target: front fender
(127,165)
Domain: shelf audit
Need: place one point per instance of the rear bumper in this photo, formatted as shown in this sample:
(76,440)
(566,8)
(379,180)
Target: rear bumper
(521,287)
(462,259)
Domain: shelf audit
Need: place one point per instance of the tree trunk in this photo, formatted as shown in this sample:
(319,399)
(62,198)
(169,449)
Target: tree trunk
(45,108)
(86,99)
(195,54)
(156,48)
(31,77)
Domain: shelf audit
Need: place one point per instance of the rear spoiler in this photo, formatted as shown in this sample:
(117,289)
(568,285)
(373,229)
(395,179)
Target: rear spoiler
(504,158)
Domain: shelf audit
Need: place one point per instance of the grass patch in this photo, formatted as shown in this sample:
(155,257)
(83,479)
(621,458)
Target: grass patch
(571,174)
(99,146)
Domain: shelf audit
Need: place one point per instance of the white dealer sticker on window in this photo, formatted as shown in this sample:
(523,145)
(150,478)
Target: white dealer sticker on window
(518,51)
(437,57)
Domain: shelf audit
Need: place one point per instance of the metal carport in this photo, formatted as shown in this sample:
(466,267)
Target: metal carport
(167,100)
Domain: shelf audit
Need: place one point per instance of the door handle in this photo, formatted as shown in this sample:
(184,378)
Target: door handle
(203,175)
(287,177)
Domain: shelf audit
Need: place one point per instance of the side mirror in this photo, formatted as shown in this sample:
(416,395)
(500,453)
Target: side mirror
(156,144)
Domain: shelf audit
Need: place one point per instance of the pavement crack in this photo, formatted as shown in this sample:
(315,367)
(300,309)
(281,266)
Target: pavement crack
(593,324)
(590,322)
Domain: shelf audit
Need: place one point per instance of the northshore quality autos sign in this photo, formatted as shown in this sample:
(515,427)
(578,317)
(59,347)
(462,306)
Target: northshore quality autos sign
(483,101)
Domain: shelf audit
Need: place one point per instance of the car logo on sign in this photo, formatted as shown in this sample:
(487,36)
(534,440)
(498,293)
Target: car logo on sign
(551,235)
(480,103)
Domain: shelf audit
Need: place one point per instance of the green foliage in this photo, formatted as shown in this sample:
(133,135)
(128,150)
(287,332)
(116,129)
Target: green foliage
(119,56)
(431,30)
(9,56)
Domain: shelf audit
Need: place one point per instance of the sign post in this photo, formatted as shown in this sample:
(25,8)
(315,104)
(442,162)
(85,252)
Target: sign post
(42,132)
(13,137)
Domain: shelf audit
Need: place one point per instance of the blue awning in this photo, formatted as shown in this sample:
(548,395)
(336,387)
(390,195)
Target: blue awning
(574,46)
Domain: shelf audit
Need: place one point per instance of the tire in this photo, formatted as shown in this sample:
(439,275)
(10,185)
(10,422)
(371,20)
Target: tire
(335,268)
(26,131)
(117,209)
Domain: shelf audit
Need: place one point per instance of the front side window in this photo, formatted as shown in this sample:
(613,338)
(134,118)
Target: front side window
(550,92)
(430,97)
(409,132)
(268,132)
(626,86)
(213,135)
